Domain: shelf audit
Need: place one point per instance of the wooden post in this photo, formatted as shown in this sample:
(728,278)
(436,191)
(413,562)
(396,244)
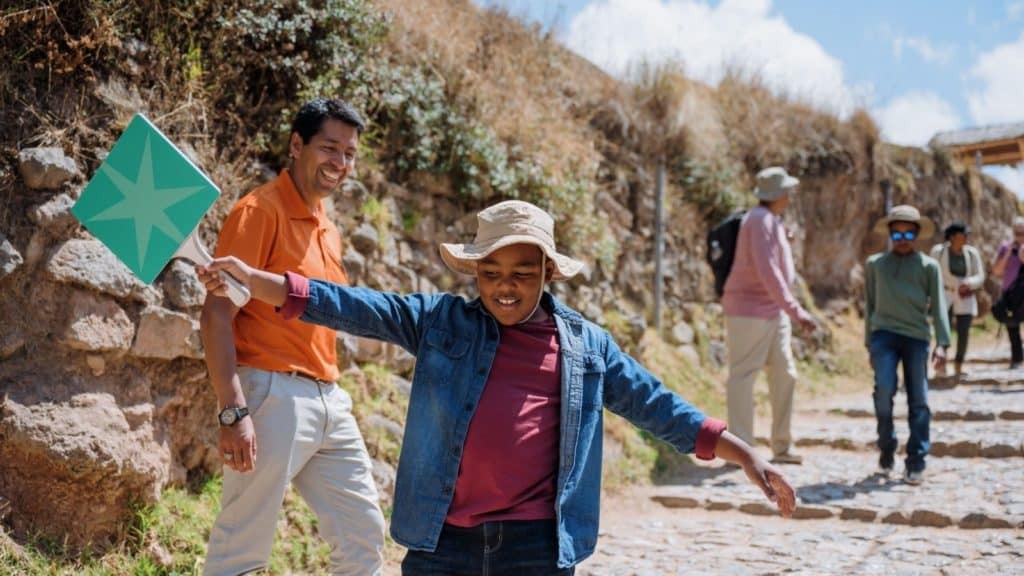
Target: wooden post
(659,243)
(887,191)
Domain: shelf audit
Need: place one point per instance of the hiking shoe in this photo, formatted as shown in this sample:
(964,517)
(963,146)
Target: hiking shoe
(885,462)
(913,477)
(787,457)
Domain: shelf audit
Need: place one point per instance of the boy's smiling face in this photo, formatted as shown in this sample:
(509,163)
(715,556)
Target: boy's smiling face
(510,281)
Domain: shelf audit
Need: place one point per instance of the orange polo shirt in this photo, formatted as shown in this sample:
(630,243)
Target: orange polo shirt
(271,228)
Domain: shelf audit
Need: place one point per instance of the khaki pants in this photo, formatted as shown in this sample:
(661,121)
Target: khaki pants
(306,435)
(753,344)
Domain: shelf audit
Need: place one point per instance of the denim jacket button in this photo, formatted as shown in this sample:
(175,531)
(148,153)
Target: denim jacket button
(481,371)
(469,406)
(447,490)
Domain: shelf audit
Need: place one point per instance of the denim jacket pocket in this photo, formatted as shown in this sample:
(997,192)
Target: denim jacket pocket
(593,382)
(449,344)
(443,356)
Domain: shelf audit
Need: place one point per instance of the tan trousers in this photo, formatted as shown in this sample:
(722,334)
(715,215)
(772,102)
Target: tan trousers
(753,344)
(306,435)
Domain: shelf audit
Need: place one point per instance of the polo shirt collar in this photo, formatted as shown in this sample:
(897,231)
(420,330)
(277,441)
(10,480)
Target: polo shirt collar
(294,206)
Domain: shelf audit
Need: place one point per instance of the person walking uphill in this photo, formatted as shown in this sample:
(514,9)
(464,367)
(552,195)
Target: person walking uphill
(962,275)
(282,418)
(759,307)
(902,290)
(500,469)
(1007,267)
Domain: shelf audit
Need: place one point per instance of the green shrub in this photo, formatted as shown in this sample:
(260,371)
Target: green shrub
(716,189)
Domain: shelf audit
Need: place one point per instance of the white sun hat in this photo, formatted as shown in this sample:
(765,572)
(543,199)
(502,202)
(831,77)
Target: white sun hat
(504,224)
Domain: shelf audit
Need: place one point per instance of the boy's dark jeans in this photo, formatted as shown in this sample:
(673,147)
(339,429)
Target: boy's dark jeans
(504,548)
(888,350)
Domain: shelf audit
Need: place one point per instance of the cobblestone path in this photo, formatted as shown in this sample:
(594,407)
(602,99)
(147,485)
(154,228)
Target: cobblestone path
(967,517)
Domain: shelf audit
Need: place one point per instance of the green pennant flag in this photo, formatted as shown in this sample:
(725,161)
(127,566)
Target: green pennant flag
(145,199)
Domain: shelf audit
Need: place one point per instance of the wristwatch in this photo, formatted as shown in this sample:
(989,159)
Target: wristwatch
(231,416)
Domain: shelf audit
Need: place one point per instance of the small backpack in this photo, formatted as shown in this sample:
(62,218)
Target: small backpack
(1009,309)
(721,248)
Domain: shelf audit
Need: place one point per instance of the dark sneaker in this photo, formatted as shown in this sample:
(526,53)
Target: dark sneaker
(886,461)
(913,477)
(787,457)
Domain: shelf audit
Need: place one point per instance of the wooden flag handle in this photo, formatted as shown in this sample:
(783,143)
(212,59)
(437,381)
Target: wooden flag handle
(192,249)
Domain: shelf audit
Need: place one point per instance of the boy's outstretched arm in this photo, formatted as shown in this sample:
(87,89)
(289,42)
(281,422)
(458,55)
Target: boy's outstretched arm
(265,286)
(761,473)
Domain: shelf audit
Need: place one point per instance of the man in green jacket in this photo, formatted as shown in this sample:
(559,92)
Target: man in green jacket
(902,288)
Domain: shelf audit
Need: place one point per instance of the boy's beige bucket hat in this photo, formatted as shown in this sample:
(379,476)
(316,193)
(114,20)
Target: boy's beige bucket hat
(504,224)
(906,213)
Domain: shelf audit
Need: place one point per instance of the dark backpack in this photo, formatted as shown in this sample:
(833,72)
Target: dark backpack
(721,248)
(1009,309)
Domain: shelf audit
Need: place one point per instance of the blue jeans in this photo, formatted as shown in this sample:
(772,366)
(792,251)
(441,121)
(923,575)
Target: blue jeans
(504,548)
(887,350)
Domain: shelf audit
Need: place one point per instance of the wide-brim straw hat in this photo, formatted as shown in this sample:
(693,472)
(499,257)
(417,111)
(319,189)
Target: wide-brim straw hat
(774,183)
(906,213)
(504,224)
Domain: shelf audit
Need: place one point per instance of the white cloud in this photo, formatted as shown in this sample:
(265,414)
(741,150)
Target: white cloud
(928,52)
(709,40)
(997,84)
(1011,177)
(913,118)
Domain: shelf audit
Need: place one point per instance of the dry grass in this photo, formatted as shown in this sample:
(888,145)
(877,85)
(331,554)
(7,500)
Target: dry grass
(764,129)
(520,83)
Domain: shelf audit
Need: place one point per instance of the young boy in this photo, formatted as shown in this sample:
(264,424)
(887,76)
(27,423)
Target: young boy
(500,469)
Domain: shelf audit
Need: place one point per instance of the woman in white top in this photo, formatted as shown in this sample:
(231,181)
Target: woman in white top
(962,276)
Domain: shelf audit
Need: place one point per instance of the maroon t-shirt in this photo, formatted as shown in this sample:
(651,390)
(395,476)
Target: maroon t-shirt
(510,459)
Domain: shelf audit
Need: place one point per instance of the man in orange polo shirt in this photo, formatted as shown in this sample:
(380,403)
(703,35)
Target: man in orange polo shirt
(282,419)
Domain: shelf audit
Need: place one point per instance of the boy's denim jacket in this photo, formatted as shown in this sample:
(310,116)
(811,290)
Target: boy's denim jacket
(454,342)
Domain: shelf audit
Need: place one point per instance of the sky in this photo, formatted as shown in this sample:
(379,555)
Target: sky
(918,66)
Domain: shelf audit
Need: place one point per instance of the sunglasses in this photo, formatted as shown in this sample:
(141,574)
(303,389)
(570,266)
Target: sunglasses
(897,236)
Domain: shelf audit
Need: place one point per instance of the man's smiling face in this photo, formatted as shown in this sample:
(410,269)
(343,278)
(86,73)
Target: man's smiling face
(323,163)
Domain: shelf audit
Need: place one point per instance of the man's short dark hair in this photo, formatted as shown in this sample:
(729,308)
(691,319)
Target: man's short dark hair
(311,116)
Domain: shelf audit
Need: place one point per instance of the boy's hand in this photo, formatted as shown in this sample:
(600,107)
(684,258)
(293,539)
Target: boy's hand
(773,484)
(765,476)
(939,359)
(214,283)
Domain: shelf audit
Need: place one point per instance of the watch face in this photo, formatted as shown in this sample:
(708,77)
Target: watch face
(228,416)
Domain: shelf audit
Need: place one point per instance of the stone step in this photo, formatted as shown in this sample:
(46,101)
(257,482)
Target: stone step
(997,355)
(645,540)
(973,403)
(990,377)
(955,439)
(965,493)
